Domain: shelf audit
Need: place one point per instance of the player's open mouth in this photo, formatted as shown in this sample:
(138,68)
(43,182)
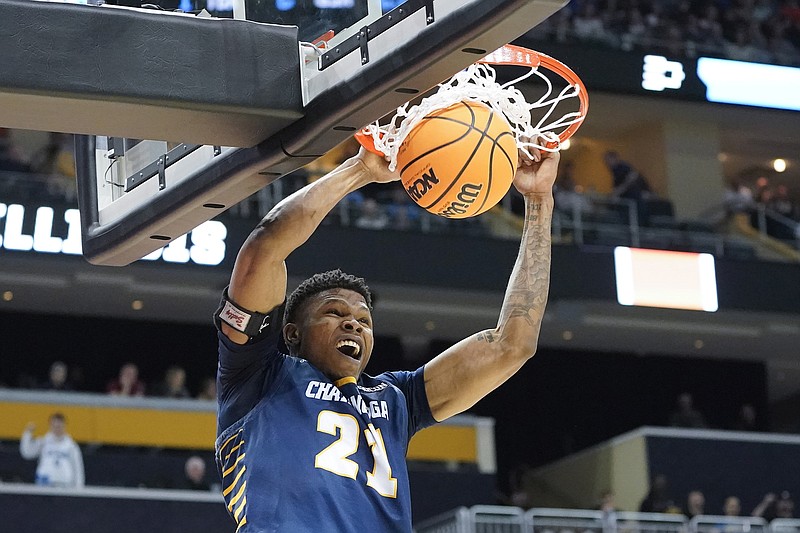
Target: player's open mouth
(350,349)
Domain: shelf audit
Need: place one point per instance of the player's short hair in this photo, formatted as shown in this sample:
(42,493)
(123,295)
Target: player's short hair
(58,416)
(333,279)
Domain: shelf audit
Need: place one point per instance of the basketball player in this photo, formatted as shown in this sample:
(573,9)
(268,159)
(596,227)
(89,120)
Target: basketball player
(307,441)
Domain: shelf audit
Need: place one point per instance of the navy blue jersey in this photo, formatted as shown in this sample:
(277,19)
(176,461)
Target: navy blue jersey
(299,453)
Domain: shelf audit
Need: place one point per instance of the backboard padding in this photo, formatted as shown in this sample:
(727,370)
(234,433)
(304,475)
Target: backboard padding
(146,74)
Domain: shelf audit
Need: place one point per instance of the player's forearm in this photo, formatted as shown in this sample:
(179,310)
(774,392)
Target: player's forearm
(526,296)
(290,223)
(468,371)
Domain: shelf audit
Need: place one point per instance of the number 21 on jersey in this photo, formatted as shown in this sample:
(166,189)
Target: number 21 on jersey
(336,457)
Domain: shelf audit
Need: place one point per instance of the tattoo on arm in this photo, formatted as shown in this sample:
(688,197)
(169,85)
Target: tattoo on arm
(528,287)
(486,336)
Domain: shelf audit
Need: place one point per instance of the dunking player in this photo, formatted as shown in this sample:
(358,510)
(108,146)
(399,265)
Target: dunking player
(306,441)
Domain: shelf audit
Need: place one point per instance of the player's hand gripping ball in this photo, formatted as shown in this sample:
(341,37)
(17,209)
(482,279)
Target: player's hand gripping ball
(458,162)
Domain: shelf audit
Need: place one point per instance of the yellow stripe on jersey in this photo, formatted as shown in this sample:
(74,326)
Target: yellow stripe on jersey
(239,509)
(233,450)
(237,434)
(236,498)
(235,481)
(243,522)
(233,466)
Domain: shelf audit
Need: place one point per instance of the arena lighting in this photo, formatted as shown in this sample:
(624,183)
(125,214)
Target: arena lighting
(752,84)
(779,165)
(660,278)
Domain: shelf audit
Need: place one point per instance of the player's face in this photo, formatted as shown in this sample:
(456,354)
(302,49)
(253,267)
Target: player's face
(335,333)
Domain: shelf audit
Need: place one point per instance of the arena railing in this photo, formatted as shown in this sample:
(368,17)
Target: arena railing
(770,223)
(785,525)
(727,524)
(475,519)
(543,520)
(630,522)
(509,519)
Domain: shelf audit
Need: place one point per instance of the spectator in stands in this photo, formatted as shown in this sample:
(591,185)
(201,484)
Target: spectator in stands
(747,419)
(742,48)
(628,182)
(732,506)
(783,52)
(518,495)
(404,213)
(695,504)
(195,474)
(752,30)
(657,499)
(60,459)
(784,506)
(607,502)
(173,384)
(127,383)
(56,157)
(686,415)
(372,215)
(10,160)
(766,507)
(738,198)
(775,506)
(763,191)
(568,194)
(782,203)
(208,390)
(57,378)
(57,160)
(588,25)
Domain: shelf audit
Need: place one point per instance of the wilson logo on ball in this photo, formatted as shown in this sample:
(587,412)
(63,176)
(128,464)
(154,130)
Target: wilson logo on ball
(469,193)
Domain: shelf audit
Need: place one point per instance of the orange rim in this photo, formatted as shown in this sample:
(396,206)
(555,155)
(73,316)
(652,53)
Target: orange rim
(365,139)
(511,54)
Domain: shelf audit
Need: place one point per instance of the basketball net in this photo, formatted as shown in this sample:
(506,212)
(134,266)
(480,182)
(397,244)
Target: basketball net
(478,83)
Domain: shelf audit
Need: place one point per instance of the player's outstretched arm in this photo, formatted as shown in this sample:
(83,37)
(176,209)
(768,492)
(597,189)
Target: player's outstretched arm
(258,282)
(469,370)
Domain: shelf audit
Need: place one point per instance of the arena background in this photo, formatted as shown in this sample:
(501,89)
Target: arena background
(602,369)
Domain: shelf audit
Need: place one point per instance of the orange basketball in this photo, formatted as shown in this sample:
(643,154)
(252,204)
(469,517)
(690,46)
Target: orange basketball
(458,162)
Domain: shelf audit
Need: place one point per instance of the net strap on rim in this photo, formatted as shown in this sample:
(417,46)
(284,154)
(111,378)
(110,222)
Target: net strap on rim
(478,83)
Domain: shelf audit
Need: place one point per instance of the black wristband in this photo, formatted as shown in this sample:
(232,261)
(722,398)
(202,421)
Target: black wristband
(251,323)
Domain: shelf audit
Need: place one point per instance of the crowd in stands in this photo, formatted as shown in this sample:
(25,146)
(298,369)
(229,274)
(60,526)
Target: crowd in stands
(127,383)
(659,499)
(388,207)
(765,31)
(686,415)
(53,162)
(741,199)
